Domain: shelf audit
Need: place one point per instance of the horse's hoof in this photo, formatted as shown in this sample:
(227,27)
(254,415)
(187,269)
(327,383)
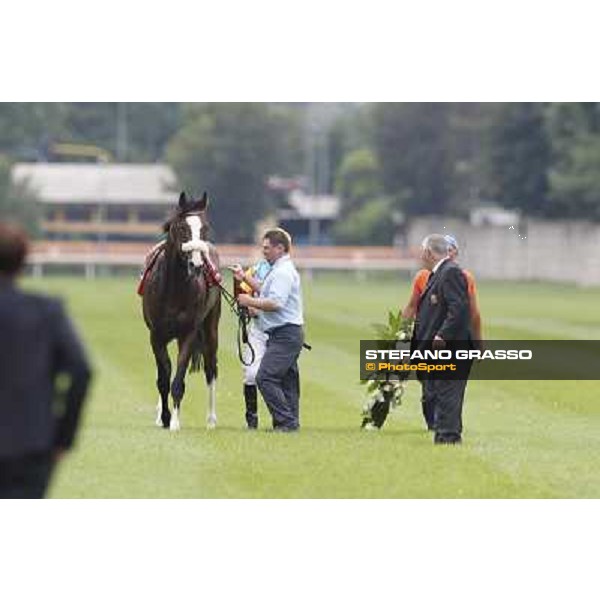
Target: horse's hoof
(166,420)
(370,427)
(211,423)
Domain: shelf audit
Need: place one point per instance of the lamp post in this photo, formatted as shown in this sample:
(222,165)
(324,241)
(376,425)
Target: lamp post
(122,133)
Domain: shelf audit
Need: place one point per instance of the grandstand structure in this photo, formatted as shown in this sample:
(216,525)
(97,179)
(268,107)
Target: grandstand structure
(102,202)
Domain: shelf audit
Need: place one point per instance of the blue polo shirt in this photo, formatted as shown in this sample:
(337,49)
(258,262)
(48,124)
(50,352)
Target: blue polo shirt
(282,285)
(260,270)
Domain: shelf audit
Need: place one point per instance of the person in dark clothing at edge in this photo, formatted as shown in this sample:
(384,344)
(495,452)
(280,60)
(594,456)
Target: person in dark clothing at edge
(38,421)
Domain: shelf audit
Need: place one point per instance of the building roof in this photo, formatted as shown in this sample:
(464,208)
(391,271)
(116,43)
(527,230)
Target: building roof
(312,207)
(69,183)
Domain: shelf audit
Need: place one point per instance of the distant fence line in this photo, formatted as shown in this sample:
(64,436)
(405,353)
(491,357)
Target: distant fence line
(564,251)
(92,257)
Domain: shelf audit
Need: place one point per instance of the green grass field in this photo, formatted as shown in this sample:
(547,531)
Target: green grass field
(522,439)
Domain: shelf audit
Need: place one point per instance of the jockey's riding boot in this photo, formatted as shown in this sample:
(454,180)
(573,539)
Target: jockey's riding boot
(380,411)
(250,397)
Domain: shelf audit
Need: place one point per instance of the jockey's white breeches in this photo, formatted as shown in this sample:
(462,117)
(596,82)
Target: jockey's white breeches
(258,340)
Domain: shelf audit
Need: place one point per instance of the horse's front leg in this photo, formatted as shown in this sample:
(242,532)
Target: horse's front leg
(163,380)
(178,386)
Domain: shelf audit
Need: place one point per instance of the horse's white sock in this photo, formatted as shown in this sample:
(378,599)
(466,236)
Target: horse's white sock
(211,419)
(159,413)
(175,424)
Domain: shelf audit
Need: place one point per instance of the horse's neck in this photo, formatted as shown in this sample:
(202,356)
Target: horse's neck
(175,273)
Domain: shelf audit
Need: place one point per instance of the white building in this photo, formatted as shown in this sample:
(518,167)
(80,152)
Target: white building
(100,201)
(309,217)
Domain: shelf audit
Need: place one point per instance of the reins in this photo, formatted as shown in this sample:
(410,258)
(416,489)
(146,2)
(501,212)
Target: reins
(243,315)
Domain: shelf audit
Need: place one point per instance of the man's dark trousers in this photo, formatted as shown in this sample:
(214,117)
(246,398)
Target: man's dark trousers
(25,477)
(427,399)
(454,395)
(442,407)
(278,377)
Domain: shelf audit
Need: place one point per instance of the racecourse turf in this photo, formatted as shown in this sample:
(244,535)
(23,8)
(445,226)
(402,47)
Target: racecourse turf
(522,438)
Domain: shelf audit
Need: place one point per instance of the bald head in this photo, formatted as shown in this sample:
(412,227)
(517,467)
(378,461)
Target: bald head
(13,249)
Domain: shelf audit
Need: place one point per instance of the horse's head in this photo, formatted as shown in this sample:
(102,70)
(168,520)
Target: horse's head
(187,232)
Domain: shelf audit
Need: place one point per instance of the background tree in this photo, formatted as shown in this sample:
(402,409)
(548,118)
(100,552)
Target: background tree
(351,130)
(518,157)
(365,214)
(229,150)
(574,177)
(576,182)
(17,202)
(132,132)
(25,126)
(468,123)
(358,179)
(411,143)
(371,224)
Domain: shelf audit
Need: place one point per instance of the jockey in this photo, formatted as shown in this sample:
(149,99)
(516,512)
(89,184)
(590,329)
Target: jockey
(250,282)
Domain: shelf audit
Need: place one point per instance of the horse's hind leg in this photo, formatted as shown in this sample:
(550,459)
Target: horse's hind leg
(209,356)
(163,380)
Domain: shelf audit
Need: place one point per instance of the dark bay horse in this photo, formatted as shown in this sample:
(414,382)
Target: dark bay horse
(181,303)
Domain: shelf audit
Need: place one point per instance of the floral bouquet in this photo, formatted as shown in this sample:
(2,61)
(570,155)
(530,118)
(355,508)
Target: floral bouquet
(386,394)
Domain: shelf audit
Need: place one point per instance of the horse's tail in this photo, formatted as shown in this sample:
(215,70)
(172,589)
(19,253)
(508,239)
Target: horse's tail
(196,362)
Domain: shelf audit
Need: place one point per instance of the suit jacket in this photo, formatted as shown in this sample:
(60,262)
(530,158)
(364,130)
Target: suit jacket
(444,310)
(38,343)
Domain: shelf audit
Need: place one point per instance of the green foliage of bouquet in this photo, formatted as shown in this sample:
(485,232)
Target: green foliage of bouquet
(387,393)
(397,328)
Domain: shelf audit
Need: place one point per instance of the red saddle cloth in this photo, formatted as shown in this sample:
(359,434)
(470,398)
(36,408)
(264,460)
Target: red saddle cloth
(149,264)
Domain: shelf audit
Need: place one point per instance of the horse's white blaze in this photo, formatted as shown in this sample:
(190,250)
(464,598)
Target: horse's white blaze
(195,224)
(159,413)
(175,424)
(211,419)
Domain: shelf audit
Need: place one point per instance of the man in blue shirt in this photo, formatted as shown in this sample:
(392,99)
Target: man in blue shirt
(281,318)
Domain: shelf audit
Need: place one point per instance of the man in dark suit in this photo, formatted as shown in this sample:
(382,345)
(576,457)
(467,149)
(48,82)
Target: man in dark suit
(38,344)
(443,322)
